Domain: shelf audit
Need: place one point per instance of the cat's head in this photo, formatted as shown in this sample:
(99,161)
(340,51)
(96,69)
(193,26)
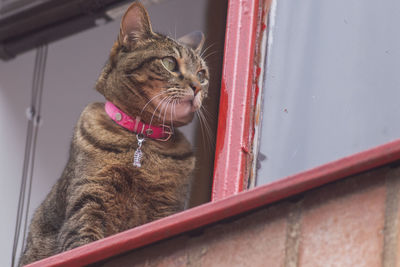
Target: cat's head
(162,80)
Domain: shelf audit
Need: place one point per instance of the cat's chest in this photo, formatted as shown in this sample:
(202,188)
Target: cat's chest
(148,160)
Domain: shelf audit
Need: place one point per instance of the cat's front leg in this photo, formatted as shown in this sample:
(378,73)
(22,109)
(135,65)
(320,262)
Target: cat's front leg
(85,221)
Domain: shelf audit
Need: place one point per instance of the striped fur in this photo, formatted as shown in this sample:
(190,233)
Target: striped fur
(100,192)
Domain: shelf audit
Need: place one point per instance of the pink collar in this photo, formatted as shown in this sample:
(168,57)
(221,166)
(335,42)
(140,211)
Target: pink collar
(162,133)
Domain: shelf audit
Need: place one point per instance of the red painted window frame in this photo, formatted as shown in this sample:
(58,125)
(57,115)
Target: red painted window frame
(237,91)
(232,155)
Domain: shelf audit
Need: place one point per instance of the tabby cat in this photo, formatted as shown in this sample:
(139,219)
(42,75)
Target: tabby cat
(151,80)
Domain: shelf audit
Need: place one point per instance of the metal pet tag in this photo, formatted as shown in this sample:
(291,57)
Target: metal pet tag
(137,157)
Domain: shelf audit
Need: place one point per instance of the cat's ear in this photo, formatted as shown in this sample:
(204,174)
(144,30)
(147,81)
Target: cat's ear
(135,24)
(194,40)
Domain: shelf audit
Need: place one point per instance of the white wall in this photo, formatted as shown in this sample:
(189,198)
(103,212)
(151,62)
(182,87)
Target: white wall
(332,86)
(72,68)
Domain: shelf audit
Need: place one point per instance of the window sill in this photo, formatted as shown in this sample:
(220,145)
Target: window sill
(215,211)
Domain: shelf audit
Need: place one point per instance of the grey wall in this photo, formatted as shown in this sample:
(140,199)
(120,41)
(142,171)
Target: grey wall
(332,86)
(72,69)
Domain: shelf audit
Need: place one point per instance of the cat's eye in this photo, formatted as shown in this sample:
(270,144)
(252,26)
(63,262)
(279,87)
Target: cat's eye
(169,63)
(201,76)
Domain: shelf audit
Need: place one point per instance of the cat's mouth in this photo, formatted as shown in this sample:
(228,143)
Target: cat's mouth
(182,111)
(185,108)
(179,111)
(193,100)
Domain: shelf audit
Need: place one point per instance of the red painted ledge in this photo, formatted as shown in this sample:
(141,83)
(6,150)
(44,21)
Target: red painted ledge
(219,210)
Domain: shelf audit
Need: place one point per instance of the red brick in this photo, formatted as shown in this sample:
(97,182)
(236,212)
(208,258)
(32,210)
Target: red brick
(391,255)
(342,224)
(258,240)
(396,249)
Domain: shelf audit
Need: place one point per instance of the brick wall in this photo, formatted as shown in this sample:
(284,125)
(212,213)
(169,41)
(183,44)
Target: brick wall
(353,222)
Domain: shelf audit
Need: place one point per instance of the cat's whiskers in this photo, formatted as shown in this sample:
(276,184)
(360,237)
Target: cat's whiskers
(165,111)
(173,111)
(148,102)
(208,113)
(155,110)
(164,106)
(208,136)
(176,91)
(202,130)
(173,88)
(206,49)
(210,54)
(175,31)
(204,133)
(205,112)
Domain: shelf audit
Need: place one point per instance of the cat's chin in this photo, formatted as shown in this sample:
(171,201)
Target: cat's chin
(183,113)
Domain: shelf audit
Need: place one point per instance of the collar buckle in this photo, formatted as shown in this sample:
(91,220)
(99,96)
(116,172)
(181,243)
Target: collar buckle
(168,130)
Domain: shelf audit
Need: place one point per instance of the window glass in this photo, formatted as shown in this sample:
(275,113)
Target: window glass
(332,83)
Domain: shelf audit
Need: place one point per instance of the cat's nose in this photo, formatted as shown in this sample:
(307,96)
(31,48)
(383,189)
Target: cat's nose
(195,87)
